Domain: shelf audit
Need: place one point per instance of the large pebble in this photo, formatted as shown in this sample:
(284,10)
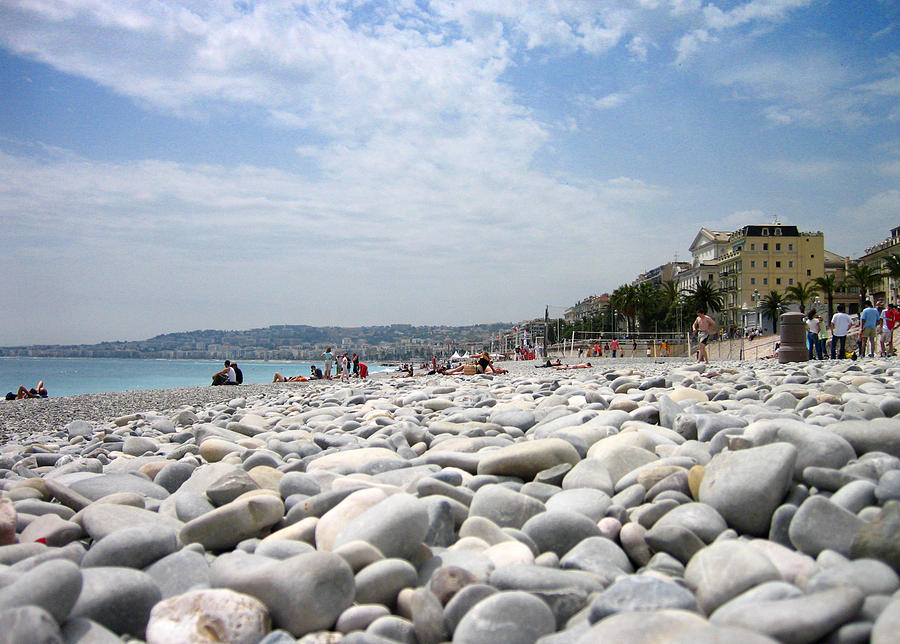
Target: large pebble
(526,459)
(233,522)
(505,618)
(211,615)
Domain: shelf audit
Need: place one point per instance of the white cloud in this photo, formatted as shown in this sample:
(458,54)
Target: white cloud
(890,168)
(756,10)
(612,101)
(690,43)
(803,170)
(860,226)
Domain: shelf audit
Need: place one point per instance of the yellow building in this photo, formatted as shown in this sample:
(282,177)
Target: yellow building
(875,255)
(761,259)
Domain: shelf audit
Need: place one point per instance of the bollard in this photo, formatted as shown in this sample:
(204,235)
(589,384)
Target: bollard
(793,338)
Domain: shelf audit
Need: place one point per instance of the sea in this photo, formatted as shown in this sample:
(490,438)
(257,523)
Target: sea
(71,376)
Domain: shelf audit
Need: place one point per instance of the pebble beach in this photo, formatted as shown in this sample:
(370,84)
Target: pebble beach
(639,500)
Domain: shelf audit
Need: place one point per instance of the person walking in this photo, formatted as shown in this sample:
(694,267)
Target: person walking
(703,326)
(812,335)
(329,357)
(870,321)
(823,338)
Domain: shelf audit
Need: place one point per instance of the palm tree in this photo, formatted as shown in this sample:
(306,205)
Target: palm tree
(891,267)
(774,304)
(706,297)
(865,277)
(647,301)
(828,285)
(624,299)
(801,294)
(670,292)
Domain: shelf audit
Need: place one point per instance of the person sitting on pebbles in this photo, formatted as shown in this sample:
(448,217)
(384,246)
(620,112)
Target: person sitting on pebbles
(35,392)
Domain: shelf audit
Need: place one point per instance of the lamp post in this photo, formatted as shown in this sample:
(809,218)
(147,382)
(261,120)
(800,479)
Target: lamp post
(755,299)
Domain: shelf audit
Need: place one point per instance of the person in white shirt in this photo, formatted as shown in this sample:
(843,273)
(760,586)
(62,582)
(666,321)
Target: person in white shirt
(840,327)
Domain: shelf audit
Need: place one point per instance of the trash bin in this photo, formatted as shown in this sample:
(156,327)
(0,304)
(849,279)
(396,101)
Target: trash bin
(793,338)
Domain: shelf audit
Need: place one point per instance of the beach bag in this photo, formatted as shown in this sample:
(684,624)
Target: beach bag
(469,370)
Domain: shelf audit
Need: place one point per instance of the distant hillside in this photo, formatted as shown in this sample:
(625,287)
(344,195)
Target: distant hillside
(284,341)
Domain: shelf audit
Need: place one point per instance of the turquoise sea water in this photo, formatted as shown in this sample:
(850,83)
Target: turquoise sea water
(70,376)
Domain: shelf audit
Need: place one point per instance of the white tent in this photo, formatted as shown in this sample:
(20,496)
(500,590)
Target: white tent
(455,357)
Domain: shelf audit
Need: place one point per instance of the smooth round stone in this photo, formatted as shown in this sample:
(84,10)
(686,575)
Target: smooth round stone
(671,626)
(380,582)
(213,449)
(463,601)
(53,530)
(509,552)
(700,518)
(96,487)
(298,483)
(265,476)
(589,473)
(726,569)
(220,615)
(877,435)
(304,594)
(682,394)
(640,593)
(40,508)
(524,460)
(794,566)
(358,554)
(619,459)
(870,576)
(675,540)
(483,528)
(118,598)
(395,526)
(820,524)
(746,486)
(191,505)
(800,619)
(505,618)
(427,617)
(597,555)
(351,460)
(855,496)
(887,625)
(539,578)
(504,507)
(136,547)
(231,486)
(103,519)
(559,531)
(449,580)
(29,624)
(79,428)
(226,526)
(393,629)
(358,617)
(7,522)
(179,572)
(878,539)
(81,630)
(590,502)
(54,586)
(173,475)
(139,445)
(336,519)
(632,537)
(888,488)
(512,417)
(282,548)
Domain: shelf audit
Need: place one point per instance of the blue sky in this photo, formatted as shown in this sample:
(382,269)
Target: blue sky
(178,165)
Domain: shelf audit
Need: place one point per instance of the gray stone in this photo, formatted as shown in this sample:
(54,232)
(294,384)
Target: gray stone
(531,578)
(29,624)
(888,624)
(136,547)
(700,518)
(726,569)
(855,496)
(597,555)
(888,488)
(463,601)
(393,629)
(675,540)
(640,593)
(53,530)
(799,620)
(304,594)
(358,617)
(505,618)
(870,576)
(504,507)
(878,539)
(590,502)
(877,435)
(559,531)
(180,572)
(380,582)
(96,487)
(589,473)
(427,617)
(173,475)
(226,526)
(102,519)
(746,486)
(396,526)
(231,486)
(191,505)
(82,630)
(524,460)
(54,586)
(820,524)
(118,598)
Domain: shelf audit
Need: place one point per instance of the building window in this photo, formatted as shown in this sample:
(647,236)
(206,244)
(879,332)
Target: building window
(778,232)
(791,264)
(765,247)
(752,263)
(778,281)
(765,264)
(765,280)
(808,273)
(790,281)
(777,264)
(812,256)
(752,246)
(752,281)
(765,232)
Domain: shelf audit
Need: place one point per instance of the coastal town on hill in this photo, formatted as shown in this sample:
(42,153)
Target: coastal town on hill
(745,279)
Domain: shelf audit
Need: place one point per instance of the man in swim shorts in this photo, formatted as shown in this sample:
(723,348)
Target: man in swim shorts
(703,326)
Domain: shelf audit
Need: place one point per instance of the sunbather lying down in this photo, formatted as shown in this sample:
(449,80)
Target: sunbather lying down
(482,364)
(35,392)
(279,378)
(583,365)
(550,364)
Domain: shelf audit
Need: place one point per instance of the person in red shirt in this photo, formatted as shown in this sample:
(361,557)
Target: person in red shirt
(891,321)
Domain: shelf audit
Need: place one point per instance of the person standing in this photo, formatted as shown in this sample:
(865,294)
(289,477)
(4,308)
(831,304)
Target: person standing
(823,337)
(891,322)
(329,357)
(703,326)
(840,327)
(812,335)
(614,347)
(870,321)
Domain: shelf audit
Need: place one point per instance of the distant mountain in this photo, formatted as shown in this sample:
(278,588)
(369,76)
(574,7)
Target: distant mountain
(285,341)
